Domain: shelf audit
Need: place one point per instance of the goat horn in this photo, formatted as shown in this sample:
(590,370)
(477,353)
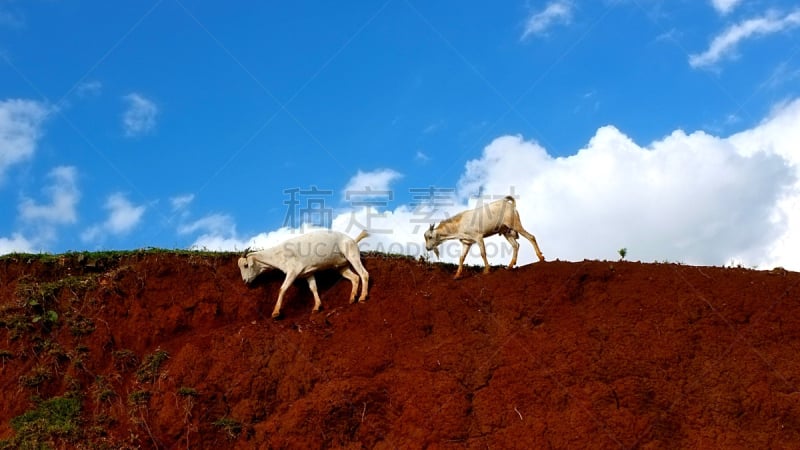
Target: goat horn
(247,250)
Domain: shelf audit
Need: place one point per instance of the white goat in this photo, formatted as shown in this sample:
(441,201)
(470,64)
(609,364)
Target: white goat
(302,256)
(498,217)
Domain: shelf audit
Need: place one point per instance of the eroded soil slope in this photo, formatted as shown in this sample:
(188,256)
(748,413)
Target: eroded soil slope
(165,350)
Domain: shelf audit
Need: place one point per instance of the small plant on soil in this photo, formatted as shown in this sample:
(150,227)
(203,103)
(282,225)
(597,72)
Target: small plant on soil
(35,377)
(5,355)
(81,326)
(139,398)
(622,252)
(102,391)
(124,360)
(148,370)
(17,324)
(231,426)
(187,392)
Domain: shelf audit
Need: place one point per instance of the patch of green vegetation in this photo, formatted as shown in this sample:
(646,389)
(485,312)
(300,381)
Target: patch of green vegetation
(17,324)
(187,392)
(56,351)
(102,390)
(139,398)
(35,377)
(124,360)
(84,257)
(52,421)
(32,293)
(38,301)
(148,370)
(81,326)
(231,426)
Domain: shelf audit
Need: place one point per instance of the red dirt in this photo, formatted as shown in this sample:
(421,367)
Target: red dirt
(551,355)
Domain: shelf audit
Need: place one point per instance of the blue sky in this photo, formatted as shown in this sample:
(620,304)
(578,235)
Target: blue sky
(669,128)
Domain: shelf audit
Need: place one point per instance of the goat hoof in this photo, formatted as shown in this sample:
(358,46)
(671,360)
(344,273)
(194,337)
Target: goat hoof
(276,316)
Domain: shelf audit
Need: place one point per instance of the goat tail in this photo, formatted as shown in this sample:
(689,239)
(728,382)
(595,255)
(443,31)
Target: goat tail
(361,236)
(511,199)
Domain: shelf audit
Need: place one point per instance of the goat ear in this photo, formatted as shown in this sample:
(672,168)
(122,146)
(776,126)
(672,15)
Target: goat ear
(431,228)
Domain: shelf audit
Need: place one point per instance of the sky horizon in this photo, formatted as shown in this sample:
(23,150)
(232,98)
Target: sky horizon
(667,128)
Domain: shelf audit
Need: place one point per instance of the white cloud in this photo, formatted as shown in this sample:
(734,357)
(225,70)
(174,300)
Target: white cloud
(726,43)
(20,129)
(41,220)
(181,202)
(123,217)
(217,233)
(216,224)
(778,135)
(89,88)
(377,181)
(556,12)
(15,244)
(421,157)
(140,116)
(63,194)
(725,6)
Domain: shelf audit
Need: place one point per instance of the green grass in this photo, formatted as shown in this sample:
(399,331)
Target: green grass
(53,420)
(89,257)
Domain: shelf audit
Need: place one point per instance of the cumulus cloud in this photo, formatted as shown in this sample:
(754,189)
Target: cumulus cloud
(555,13)
(42,219)
(727,42)
(63,197)
(123,216)
(20,129)
(725,6)
(217,233)
(377,181)
(15,244)
(778,135)
(140,116)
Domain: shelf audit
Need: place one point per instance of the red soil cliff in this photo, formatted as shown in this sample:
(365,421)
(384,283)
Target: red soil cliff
(172,350)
